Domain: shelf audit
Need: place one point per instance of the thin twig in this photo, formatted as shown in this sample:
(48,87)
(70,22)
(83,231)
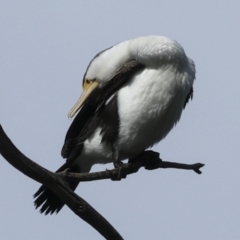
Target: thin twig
(149,160)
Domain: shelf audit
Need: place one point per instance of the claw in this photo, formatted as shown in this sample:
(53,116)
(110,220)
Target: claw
(122,170)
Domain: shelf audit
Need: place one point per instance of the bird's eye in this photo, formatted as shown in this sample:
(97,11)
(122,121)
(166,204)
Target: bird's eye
(86,83)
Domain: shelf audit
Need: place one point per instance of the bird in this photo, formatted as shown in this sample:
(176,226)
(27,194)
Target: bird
(133,95)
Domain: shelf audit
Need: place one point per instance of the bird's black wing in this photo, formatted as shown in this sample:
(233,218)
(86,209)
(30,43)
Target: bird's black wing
(96,112)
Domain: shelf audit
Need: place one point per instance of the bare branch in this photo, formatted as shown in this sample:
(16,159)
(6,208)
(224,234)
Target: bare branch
(149,160)
(56,181)
(57,184)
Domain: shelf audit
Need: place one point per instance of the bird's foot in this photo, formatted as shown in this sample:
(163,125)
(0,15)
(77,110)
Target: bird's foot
(122,170)
(149,159)
(152,160)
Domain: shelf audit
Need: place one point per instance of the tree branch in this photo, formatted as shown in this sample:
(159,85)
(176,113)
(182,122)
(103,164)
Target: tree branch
(56,181)
(57,184)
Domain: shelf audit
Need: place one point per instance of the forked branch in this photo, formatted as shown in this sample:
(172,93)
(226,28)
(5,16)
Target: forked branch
(55,181)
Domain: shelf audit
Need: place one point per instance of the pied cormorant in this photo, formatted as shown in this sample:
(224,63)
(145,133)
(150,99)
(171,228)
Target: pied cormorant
(133,94)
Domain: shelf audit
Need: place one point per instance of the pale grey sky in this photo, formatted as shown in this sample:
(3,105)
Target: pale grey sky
(45,47)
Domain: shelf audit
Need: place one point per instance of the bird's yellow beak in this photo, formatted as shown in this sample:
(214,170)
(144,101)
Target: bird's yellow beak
(88,88)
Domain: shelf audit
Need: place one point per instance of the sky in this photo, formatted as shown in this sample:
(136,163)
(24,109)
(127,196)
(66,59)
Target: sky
(45,47)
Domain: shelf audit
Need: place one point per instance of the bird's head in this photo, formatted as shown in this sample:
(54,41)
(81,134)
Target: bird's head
(100,71)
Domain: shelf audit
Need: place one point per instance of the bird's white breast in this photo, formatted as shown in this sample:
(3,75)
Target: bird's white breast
(149,106)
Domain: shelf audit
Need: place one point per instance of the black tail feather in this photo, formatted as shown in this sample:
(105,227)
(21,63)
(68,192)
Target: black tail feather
(47,200)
